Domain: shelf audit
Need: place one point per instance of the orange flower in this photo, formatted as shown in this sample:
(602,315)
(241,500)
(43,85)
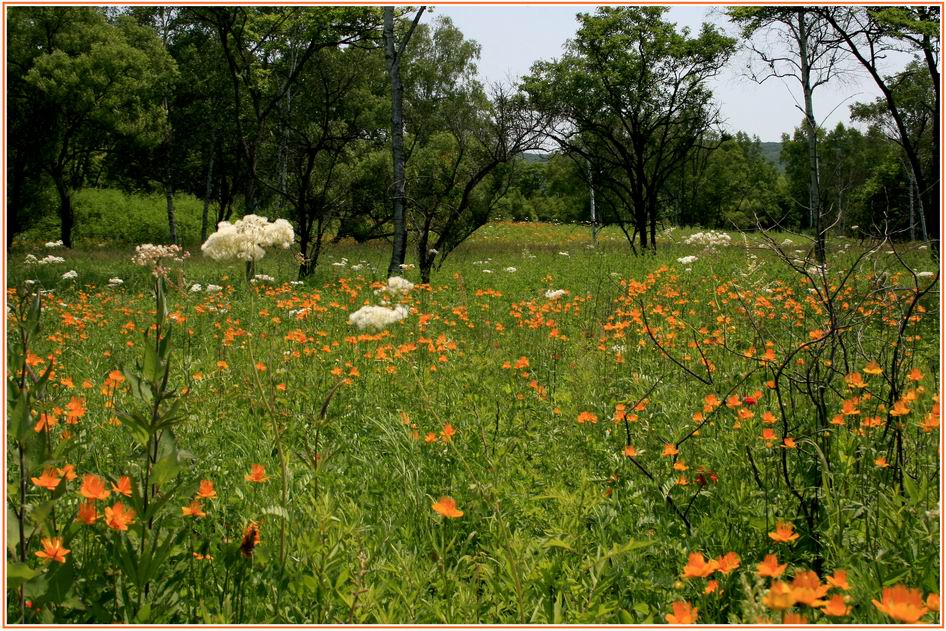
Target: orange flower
(792,617)
(93,487)
(670,450)
(932,601)
(222,365)
(839,580)
(881,463)
(430,437)
(733,401)
(807,589)
(53,550)
(447,433)
(711,586)
(630,451)
(728,562)
(699,567)
(779,596)
(88,514)
(587,417)
(260,366)
(522,362)
(770,567)
(119,516)
(836,607)
(680,465)
(447,507)
(46,422)
(75,409)
(768,418)
(900,408)
(257,474)
(784,532)
(902,604)
(123,487)
(207,490)
(873,368)
(69,472)
(710,402)
(193,510)
(855,380)
(768,434)
(789,443)
(48,479)
(683,613)
(915,375)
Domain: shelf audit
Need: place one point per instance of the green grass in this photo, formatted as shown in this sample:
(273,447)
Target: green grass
(558,525)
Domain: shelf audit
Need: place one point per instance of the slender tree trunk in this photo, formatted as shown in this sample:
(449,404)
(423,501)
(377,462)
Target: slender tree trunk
(172,220)
(594,216)
(912,209)
(397,143)
(67,218)
(811,131)
(208,191)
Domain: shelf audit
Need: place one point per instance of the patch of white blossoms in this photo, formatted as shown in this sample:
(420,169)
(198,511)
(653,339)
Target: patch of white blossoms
(397,287)
(149,255)
(687,260)
(247,239)
(710,238)
(555,294)
(263,278)
(70,275)
(376,318)
(115,282)
(49,259)
(51,245)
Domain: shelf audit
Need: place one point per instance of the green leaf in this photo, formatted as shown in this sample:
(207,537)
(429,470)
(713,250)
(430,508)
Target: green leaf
(20,419)
(19,573)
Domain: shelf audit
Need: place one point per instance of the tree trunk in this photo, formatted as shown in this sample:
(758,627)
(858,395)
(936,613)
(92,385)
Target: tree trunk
(594,216)
(397,143)
(172,220)
(912,209)
(208,191)
(67,218)
(811,131)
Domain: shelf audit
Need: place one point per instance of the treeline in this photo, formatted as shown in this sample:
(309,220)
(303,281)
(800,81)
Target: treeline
(370,123)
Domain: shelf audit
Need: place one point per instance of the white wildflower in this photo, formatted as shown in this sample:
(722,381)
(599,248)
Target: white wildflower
(212,289)
(686,260)
(196,287)
(433,251)
(924,274)
(296,283)
(555,294)
(52,245)
(564,254)
(711,238)
(115,282)
(787,242)
(487,271)
(406,266)
(377,318)
(149,255)
(262,278)
(511,270)
(70,275)
(247,239)
(342,263)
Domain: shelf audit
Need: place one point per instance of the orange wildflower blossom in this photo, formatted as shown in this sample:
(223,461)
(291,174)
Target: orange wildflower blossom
(447,506)
(123,487)
(118,516)
(779,596)
(193,510)
(855,380)
(75,409)
(49,479)
(770,567)
(88,513)
(698,567)
(257,474)
(711,587)
(683,613)
(784,532)
(69,472)
(670,450)
(446,434)
(807,589)
(915,375)
(932,601)
(587,417)
(873,368)
(728,562)
(206,491)
(881,463)
(250,539)
(902,603)
(46,422)
(93,487)
(836,607)
(53,550)
(630,451)
(791,617)
(838,580)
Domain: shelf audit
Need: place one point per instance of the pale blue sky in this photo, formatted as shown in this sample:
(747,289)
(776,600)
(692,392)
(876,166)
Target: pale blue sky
(513,37)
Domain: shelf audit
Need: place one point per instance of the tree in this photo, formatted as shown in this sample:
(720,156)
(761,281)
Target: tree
(393,53)
(802,51)
(869,33)
(630,95)
(86,82)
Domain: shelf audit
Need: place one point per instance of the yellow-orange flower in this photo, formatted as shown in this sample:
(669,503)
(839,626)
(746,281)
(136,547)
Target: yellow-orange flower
(770,567)
(123,487)
(915,375)
(902,603)
(873,368)
(670,450)
(711,586)
(206,490)
(881,462)
(193,510)
(836,607)
(698,567)
(838,579)
(784,532)
(683,613)
(779,596)
(118,516)
(53,550)
(792,617)
(87,514)
(93,487)
(447,507)
(932,601)
(807,589)
(48,479)
(69,472)
(587,417)
(257,474)
(900,408)
(855,380)
(630,451)
(728,562)
(446,435)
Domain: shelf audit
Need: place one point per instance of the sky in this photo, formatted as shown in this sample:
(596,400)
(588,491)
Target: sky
(513,37)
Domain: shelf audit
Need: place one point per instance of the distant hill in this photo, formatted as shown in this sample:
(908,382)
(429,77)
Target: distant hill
(528,156)
(772,151)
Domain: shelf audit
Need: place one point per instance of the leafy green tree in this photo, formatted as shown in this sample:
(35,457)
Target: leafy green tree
(631,89)
(86,82)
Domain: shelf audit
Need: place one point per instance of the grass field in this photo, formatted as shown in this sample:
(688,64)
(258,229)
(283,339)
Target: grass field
(628,451)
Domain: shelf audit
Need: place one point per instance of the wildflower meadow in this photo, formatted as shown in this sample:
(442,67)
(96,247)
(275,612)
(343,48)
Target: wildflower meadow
(549,432)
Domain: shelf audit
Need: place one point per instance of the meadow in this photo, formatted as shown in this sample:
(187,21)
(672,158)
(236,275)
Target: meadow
(555,433)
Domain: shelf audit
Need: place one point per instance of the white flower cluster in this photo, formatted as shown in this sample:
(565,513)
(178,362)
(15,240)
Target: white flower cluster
(924,274)
(377,318)
(262,278)
(246,239)
(52,245)
(149,255)
(397,287)
(686,260)
(70,275)
(115,282)
(213,289)
(555,294)
(511,270)
(49,259)
(711,238)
